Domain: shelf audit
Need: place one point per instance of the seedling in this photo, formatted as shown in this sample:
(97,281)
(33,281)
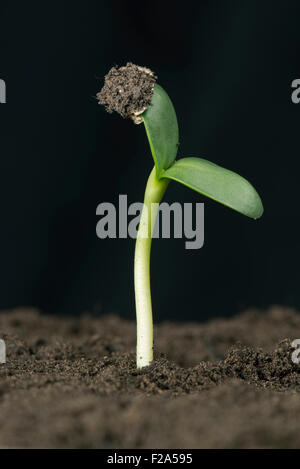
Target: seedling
(132,91)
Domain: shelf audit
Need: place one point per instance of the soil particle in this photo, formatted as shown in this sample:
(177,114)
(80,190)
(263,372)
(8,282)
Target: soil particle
(72,383)
(127,90)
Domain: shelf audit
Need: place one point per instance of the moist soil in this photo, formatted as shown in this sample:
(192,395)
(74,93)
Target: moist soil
(72,383)
(127,90)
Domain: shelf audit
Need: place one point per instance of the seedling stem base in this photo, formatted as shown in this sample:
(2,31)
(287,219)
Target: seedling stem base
(154,193)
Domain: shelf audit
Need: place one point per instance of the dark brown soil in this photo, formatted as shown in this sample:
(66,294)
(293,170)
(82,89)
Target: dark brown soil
(72,383)
(127,90)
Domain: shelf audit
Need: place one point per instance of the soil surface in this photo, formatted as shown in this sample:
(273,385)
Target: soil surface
(72,383)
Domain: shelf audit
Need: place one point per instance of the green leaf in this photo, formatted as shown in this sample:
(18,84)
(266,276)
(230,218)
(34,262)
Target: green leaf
(217,183)
(162,129)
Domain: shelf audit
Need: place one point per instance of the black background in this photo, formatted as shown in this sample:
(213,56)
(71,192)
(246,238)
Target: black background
(228,68)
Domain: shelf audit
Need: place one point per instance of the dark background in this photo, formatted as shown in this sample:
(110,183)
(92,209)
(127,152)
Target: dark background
(228,68)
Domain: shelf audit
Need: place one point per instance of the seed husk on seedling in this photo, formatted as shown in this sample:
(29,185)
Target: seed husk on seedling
(132,91)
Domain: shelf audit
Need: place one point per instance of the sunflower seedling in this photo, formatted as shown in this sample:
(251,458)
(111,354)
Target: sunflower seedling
(132,91)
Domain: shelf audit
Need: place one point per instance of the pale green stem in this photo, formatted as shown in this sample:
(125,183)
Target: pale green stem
(155,190)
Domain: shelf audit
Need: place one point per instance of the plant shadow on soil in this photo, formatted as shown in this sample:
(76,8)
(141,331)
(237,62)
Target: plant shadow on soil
(72,383)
